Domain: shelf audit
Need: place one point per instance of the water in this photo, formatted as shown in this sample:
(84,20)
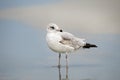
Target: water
(24,55)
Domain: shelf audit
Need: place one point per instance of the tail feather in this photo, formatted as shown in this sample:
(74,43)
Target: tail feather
(88,45)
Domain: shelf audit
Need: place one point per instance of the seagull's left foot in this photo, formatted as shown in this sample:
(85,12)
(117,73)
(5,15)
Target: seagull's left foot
(59,66)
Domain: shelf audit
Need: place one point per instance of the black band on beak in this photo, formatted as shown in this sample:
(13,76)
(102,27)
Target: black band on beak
(61,30)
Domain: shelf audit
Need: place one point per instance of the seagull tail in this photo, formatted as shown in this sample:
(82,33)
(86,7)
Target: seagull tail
(88,45)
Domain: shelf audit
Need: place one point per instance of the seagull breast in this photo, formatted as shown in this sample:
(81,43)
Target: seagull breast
(53,41)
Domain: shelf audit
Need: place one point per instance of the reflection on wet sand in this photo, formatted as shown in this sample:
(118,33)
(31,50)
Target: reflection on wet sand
(60,75)
(66,73)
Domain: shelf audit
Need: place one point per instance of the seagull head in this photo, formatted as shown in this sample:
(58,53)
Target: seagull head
(53,28)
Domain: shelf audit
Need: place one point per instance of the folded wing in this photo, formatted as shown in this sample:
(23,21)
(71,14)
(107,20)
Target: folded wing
(71,40)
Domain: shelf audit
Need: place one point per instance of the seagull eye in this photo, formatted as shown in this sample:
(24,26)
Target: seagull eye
(52,27)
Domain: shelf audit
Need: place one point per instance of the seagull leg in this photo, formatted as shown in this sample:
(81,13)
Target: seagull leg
(66,60)
(59,60)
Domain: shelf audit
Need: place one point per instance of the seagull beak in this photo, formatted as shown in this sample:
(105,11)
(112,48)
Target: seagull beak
(60,30)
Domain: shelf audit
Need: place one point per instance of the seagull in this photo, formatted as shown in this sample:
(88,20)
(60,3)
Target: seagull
(63,42)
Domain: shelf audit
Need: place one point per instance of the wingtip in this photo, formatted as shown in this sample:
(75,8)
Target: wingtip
(90,45)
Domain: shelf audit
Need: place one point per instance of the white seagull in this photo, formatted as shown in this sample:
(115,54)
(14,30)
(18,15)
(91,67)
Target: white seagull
(64,42)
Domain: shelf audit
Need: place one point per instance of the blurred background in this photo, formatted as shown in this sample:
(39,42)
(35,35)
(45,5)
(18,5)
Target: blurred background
(24,54)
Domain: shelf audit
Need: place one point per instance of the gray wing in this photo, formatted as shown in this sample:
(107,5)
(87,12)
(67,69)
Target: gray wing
(71,40)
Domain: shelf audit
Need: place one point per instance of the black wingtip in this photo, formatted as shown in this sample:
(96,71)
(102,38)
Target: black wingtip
(88,45)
